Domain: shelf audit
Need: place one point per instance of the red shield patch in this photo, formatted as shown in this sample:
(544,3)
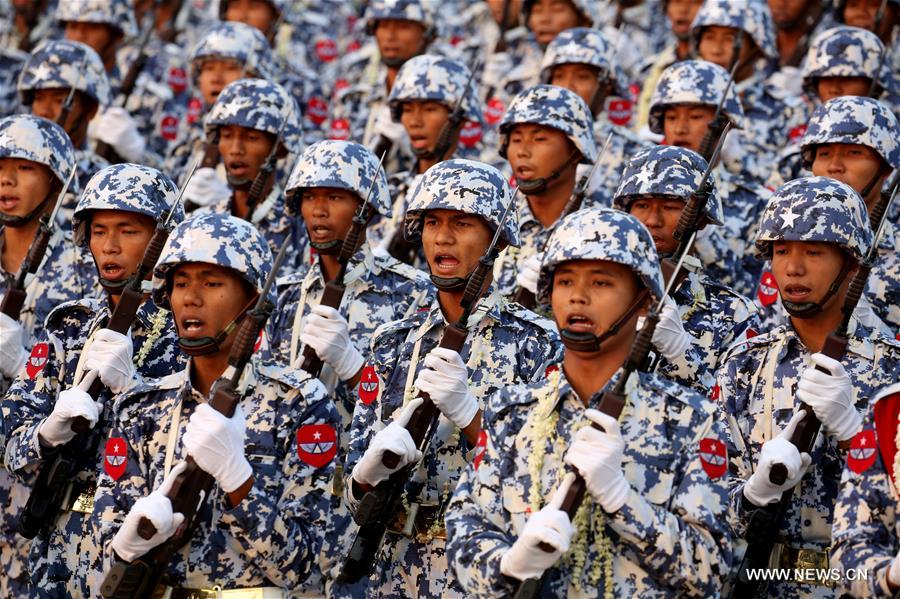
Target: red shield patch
(713,457)
(115,457)
(714,394)
(751,333)
(194,108)
(470,134)
(340,130)
(550,370)
(317,110)
(340,84)
(797,132)
(37,360)
(368,385)
(768,289)
(619,112)
(326,49)
(168,127)
(316,444)
(177,79)
(260,341)
(480,449)
(494,110)
(862,451)
(353,46)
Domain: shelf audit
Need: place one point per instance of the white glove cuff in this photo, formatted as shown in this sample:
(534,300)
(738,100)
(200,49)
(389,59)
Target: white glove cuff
(18,364)
(677,347)
(358,474)
(235,477)
(508,567)
(467,414)
(615,495)
(126,554)
(848,425)
(758,497)
(349,364)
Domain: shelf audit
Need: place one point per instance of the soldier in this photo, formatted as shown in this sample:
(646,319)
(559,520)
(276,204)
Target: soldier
(815,230)
(878,16)
(797,23)
(115,217)
(455,210)
(652,521)
(481,26)
(29,22)
(272,460)
(637,28)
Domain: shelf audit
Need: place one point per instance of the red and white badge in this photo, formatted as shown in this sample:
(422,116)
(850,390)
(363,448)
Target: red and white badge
(37,360)
(316,444)
(470,134)
(177,79)
(768,289)
(368,385)
(260,341)
(862,451)
(480,448)
(317,110)
(194,109)
(713,457)
(168,127)
(715,393)
(550,370)
(115,457)
(340,130)
(326,49)
(494,111)
(797,132)
(751,333)
(619,111)
(340,84)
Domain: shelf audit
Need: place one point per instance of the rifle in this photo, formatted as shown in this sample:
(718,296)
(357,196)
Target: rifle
(49,490)
(716,129)
(504,27)
(265,172)
(766,521)
(67,105)
(525,296)
(379,504)
(193,486)
(16,294)
(334,290)
(171,31)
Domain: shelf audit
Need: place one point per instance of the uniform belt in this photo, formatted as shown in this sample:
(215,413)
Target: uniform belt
(216,593)
(421,522)
(80,496)
(805,559)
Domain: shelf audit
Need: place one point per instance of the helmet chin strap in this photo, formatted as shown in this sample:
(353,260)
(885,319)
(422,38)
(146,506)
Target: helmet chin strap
(327,247)
(14,222)
(588,342)
(240,183)
(539,185)
(204,346)
(806,310)
(865,191)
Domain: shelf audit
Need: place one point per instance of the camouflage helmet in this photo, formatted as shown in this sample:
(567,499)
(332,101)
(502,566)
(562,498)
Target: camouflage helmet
(342,165)
(400,10)
(853,120)
(467,186)
(214,238)
(64,64)
(694,82)
(238,42)
(601,233)
(555,107)
(750,16)
(36,139)
(817,209)
(129,188)
(589,9)
(842,52)
(115,13)
(583,45)
(430,77)
(256,104)
(667,171)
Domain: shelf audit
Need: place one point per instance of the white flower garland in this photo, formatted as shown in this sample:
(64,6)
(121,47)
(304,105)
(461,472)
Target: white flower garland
(158,322)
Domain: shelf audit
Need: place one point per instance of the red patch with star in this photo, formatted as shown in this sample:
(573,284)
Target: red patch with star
(885,412)
(480,448)
(115,457)
(178,79)
(470,134)
(317,110)
(340,84)
(768,289)
(368,385)
(260,341)
(713,457)
(494,110)
(37,360)
(751,333)
(619,112)
(862,451)
(326,49)
(797,132)
(316,444)
(194,109)
(714,394)
(168,127)
(340,130)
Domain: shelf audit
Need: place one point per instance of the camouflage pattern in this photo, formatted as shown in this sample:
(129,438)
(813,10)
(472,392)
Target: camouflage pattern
(842,52)
(555,107)
(749,16)
(400,10)
(445,82)
(118,14)
(12,62)
(636,31)
(240,42)
(883,289)
(38,140)
(673,494)
(582,45)
(694,82)
(64,64)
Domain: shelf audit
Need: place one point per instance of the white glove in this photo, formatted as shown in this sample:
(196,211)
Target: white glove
(525,559)
(385,125)
(157,508)
(758,488)
(395,438)
(56,429)
(669,337)
(12,350)
(497,67)
(597,455)
(217,445)
(529,273)
(893,574)
(327,332)
(445,379)
(205,188)
(831,397)
(110,354)
(117,128)
(733,150)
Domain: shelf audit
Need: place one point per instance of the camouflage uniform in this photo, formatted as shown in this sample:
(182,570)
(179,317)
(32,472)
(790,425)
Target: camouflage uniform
(54,365)
(644,31)
(673,446)
(506,345)
(11,63)
(758,379)
(43,26)
(272,537)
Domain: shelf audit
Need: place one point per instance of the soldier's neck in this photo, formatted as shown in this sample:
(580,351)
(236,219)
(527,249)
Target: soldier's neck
(548,206)
(588,373)
(241,197)
(205,370)
(813,331)
(683,49)
(391,76)
(16,241)
(329,265)
(787,41)
(450,304)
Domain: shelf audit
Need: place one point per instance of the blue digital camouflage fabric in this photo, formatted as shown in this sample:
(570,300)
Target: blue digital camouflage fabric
(236,41)
(637,31)
(583,45)
(430,77)
(12,62)
(694,82)
(64,64)
(843,52)
(674,462)
(118,14)
(401,10)
(36,139)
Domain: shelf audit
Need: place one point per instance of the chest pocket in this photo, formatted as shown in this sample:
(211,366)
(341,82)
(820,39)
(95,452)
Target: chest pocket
(515,502)
(650,475)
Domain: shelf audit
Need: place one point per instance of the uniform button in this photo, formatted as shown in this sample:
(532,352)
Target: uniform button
(807,522)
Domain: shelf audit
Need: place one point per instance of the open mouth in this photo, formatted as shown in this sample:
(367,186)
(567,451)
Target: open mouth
(8,203)
(113,271)
(525,172)
(445,263)
(796,293)
(237,169)
(321,233)
(418,142)
(579,322)
(191,326)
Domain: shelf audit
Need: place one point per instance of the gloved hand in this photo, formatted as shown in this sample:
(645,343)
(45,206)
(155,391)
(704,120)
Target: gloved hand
(56,429)
(597,456)
(831,397)
(385,125)
(893,574)
(394,437)
(110,354)
(327,332)
(497,67)
(529,273)
(157,508)
(117,128)
(217,445)
(758,488)
(669,337)
(205,188)
(551,525)
(445,379)
(12,351)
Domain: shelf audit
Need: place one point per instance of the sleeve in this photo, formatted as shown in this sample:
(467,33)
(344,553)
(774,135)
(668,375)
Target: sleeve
(688,369)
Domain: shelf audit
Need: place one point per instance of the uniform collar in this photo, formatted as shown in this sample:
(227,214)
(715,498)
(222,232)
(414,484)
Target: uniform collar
(566,390)
(490,305)
(860,339)
(362,266)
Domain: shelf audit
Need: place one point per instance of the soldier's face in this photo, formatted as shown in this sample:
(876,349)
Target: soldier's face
(118,240)
(496,6)
(243,150)
(685,125)
(536,151)
(660,216)
(399,39)
(205,298)
(861,13)
(256,13)
(852,164)
(829,88)
(579,78)
(328,212)
(717,45)
(804,270)
(98,36)
(549,17)
(48,103)
(214,75)
(453,241)
(681,14)
(787,13)
(423,122)
(23,185)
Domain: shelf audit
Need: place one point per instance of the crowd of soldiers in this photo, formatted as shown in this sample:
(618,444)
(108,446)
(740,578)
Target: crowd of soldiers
(449,298)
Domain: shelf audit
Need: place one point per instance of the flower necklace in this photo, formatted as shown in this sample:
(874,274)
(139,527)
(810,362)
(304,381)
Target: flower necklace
(158,323)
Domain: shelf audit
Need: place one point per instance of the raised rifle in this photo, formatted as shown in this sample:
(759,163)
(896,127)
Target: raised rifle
(716,130)
(67,104)
(268,167)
